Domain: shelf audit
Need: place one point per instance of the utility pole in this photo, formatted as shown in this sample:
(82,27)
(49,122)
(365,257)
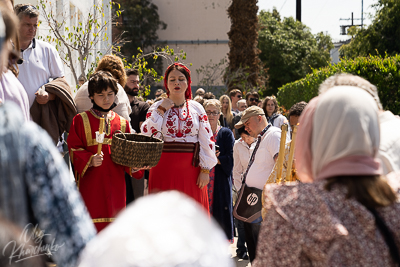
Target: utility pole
(362,13)
(298,10)
(344,27)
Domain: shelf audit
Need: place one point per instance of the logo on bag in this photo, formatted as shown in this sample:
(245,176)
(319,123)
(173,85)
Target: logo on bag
(252,199)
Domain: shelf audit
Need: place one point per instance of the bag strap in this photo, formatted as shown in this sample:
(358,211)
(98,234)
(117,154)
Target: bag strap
(272,118)
(387,236)
(253,155)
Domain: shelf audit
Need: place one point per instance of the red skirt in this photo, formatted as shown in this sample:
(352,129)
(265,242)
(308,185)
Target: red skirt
(175,171)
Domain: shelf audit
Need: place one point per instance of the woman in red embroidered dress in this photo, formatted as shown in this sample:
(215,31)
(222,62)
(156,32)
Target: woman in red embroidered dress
(187,135)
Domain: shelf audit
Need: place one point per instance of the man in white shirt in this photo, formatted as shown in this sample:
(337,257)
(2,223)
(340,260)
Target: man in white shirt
(266,153)
(40,59)
(242,151)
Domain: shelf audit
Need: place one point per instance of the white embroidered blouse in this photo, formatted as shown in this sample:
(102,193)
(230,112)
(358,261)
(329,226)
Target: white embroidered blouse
(179,126)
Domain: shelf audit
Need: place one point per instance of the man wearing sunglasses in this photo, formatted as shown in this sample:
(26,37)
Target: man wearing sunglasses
(235,95)
(41,60)
(252,98)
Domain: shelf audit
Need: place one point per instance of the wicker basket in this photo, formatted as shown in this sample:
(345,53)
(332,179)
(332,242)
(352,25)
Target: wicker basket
(136,150)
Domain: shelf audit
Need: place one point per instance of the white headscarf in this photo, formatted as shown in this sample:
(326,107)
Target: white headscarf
(165,229)
(338,135)
(345,125)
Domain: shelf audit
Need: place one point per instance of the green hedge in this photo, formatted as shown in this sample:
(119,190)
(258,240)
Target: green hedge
(382,72)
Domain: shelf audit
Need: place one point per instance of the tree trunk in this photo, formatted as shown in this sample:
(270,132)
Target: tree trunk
(243,51)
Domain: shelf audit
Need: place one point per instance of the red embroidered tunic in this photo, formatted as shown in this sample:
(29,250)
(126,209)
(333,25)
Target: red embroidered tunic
(174,171)
(102,188)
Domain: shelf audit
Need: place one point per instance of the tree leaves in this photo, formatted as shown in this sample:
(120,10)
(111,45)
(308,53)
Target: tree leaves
(381,37)
(289,50)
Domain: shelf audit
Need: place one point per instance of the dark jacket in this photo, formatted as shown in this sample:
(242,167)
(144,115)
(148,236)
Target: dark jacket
(222,205)
(56,116)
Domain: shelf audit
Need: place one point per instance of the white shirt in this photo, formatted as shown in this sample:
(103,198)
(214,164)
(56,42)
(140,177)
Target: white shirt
(12,90)
(84,103)
(241,156)
(195,128)
(389,148)
(264,160)
(279,121)
(40,64)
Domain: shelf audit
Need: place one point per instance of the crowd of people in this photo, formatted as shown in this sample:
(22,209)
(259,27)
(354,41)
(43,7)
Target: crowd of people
(342,211)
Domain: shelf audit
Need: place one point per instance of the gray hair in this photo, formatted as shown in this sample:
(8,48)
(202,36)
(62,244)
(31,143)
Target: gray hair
(212,102)
(241,101)
(343,79)
(26,10)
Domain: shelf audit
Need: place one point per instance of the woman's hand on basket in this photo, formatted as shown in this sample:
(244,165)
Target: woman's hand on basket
(203,180)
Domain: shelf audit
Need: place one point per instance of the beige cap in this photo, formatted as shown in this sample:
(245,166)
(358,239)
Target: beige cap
(247,114)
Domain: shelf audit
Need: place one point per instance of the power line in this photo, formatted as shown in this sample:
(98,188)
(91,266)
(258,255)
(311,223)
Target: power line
(282,6)
(320,11)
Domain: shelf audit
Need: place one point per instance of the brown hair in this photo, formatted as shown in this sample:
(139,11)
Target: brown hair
(26,10)
(130,72)
(370,191)
(234,92)
(114,65)
(11,22)
(264,105)
(100,81)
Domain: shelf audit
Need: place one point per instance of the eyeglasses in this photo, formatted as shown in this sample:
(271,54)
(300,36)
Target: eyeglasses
(239,96)
(214,113)
(253,99)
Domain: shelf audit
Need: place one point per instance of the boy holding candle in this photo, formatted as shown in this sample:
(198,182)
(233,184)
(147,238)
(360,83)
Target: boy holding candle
(100,181)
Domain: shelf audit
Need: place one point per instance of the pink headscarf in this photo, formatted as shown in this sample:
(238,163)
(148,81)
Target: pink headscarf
(188,92)
(338,135)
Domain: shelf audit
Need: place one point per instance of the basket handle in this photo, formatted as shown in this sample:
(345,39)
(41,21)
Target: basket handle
(156,133)
(119,131)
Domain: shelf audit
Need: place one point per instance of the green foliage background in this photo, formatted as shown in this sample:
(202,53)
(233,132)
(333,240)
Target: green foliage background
(382,72)
(382,36)
(289,50)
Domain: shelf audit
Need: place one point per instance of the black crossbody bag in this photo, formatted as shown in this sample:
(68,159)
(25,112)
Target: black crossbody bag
(248,205)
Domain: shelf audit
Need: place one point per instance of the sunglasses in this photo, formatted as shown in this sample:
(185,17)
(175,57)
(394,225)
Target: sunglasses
(158,95)
(253,99)
(239,96)
(22,9)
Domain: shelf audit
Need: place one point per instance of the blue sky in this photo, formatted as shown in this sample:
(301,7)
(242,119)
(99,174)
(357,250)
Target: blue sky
(323,15)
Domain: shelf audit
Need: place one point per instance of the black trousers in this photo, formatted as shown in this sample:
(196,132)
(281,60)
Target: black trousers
(251,231)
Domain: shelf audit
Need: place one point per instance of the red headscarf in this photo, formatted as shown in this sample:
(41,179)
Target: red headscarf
(188,93)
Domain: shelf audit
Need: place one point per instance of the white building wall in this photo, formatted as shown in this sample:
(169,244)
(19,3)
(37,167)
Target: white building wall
(75,11)
(198,27)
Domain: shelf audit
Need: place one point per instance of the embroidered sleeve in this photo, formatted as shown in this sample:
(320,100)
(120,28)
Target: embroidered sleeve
(154,120)
(207,147)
